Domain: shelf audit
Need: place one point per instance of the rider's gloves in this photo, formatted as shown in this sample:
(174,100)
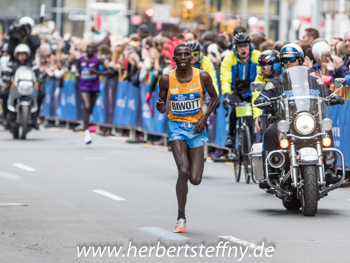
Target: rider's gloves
(226,102)
(337,100)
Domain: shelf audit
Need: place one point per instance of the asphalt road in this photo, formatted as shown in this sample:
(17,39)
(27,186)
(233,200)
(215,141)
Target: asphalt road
(59,196)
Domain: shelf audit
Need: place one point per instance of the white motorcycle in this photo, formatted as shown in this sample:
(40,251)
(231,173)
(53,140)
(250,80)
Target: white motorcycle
(22,102)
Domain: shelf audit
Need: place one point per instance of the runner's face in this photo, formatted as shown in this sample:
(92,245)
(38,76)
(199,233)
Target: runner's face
(183,57)
(90,50)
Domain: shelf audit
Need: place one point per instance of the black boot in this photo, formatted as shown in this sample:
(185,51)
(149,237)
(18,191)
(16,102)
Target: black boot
(330,163)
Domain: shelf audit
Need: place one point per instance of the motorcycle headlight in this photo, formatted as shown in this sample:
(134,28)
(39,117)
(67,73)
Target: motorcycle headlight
(327,124)
(305,123)
(25,88)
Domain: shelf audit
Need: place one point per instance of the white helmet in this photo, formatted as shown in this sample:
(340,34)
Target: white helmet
(22,48)
(27,21)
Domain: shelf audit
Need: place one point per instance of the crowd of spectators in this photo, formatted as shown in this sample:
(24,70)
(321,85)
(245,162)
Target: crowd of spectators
(143,58)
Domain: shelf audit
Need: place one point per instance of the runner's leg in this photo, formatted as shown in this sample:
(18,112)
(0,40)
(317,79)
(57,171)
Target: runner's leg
(196,158)
(89,101)
(180,153)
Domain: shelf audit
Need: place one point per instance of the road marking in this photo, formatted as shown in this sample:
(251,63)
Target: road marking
(112,196)
(24,167)
(162,233)
(94,158)
(239,241)
(13,204)
(9,175)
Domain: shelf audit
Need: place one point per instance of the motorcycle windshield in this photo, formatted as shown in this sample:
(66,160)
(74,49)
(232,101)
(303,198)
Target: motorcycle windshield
(302,90)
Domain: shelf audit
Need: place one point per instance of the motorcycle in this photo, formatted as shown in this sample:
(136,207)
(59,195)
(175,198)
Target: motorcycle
(296,171)
(22,102)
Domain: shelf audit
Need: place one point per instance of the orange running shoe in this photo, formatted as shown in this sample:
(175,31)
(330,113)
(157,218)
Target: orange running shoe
(180,226)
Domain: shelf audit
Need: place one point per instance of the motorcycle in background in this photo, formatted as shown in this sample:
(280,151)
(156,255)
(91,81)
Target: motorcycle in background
(22,102)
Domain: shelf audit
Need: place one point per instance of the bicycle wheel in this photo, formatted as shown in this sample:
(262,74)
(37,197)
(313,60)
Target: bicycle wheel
(246,143)
(237,165)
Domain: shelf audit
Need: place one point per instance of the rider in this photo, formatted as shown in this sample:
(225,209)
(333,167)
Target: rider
(292,55)
(238,70)
(21,58)
(21,33)
(202,62)
(183,87)
(270,67)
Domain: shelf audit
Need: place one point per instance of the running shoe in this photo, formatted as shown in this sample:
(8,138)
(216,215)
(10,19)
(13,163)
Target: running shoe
(180,226)
(87,137)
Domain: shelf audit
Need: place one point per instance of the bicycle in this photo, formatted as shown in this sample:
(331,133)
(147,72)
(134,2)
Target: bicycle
(242,150)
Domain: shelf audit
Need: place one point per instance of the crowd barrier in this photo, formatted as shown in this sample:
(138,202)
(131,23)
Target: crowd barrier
(121,104)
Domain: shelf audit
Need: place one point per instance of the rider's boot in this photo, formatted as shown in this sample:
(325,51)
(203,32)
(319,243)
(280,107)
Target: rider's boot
(330,161)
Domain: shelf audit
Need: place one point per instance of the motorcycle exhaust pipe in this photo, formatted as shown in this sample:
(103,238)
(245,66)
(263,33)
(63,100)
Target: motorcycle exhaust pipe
(276,160)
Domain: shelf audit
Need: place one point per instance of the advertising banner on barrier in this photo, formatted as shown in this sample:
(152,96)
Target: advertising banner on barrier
(67,108)
(126,105)
(152,120)
(341,124)
(222,124)
(98,114)
(110,99)
(49,88)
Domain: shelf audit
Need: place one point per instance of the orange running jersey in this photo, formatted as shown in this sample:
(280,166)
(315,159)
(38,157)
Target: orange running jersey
(185,99)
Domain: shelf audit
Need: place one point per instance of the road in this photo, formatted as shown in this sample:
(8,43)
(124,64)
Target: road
(59,196)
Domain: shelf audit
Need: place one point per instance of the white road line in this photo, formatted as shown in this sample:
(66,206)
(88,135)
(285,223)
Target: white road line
(24,167)
(112,196)
(13,204)
(239,241)
(9,175)
(162,233)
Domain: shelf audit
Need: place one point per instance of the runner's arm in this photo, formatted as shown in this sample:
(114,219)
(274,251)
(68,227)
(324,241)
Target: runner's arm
(207,82)
(163,91)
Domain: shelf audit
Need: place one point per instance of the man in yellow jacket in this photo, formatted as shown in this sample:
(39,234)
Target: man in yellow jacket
(238,70)
(270,67)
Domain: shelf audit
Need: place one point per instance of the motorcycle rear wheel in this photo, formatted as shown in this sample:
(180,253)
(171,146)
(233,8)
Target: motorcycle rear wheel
(309,198)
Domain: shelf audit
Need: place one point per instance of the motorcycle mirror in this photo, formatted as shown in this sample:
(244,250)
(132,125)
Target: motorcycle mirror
(339,82)
(257,86)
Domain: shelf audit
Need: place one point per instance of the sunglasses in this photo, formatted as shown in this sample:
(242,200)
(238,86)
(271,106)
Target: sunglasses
(242,44)
(266,67)
(291,60)
(195,53)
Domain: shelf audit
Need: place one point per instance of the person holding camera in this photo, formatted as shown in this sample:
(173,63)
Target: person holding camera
(20,33)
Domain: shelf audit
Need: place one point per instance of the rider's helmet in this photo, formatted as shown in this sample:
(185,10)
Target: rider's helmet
(27,21)
(270,57)
(241,37)
(22,48)
(194,46)
(195,49)
(292,51)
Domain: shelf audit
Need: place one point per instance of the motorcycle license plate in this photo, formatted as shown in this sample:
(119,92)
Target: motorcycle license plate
(243,111)
(308,154)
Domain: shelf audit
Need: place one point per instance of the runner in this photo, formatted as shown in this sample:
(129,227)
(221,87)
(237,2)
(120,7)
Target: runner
(183,87)
(89,67)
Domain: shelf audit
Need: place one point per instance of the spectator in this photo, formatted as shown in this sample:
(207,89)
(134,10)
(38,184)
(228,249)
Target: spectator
(266,45)
(334,43)
(317,50)
(257,40)
(278,45)
(340,50)
(309,35)
(190,36)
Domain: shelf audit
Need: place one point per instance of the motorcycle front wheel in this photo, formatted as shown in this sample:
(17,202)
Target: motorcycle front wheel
(309,197)
(23,123)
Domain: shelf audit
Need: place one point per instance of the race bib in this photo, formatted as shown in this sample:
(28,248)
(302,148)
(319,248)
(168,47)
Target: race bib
(185,104)
(85,75)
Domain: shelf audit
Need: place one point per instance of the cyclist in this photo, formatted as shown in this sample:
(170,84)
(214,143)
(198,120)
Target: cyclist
(270,67)
(202,62)
(238,70)
(183,87)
